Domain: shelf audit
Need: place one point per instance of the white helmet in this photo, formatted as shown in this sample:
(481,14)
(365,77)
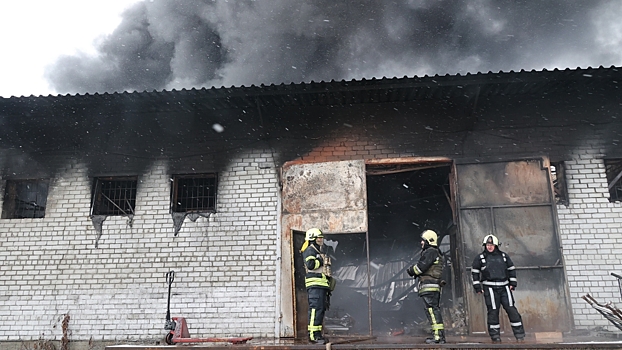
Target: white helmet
(491,239)
(430,237)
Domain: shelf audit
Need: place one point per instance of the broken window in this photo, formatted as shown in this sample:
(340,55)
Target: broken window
(194,193)
(613,169)
(25,199)
(114,196)
(558,175)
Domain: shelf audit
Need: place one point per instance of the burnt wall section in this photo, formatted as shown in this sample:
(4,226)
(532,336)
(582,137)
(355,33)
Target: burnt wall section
(554,124)
(494,115)
(119,135)
(500,127)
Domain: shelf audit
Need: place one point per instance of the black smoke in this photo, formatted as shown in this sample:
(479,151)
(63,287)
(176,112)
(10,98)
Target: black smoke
(174,44)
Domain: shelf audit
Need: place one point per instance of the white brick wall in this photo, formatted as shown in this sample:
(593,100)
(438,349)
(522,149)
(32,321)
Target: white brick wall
(225,265)
(591,237)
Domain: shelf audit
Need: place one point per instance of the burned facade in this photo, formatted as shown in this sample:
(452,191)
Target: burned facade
(105,194)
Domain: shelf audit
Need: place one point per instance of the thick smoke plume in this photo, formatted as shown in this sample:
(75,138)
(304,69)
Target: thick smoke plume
(174,44)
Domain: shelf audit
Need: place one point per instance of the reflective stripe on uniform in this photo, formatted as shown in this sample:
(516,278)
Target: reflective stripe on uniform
(316,281)
(510,297)
(317,268)
(492,299)
(429,288)
(499,284)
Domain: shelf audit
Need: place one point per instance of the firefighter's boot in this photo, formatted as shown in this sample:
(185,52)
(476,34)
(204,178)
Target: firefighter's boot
(440,339)
(317,338)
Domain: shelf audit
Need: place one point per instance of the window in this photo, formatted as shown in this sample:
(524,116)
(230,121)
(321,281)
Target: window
(613,169)
(194,193)
(114,196)
(25,199)
(558,175)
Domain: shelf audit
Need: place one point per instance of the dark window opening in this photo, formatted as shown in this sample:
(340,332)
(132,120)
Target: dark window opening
(558,175)
(613,169)
(25,199)
(114,196)
(194,193)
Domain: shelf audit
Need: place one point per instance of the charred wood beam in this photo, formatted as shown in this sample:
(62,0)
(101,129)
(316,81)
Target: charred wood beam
(615,180)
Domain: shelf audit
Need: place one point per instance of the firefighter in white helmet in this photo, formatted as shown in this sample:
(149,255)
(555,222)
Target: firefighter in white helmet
(494,274)
(429,269)
(317,281)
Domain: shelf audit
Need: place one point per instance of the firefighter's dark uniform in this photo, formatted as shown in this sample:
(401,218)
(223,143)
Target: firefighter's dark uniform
(494,273)
(429,269)
(317,289)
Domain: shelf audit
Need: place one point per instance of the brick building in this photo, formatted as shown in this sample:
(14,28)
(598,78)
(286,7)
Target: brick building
(106,193)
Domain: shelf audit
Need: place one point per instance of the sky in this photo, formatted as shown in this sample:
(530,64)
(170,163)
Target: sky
(95,46)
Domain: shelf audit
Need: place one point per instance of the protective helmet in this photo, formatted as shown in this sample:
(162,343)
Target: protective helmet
(313,233)
(491,239)
(430,237)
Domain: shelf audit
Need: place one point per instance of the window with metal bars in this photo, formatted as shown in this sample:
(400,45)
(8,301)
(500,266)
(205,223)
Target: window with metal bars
(115,196)
(194,193)
(25,199)
(613,169)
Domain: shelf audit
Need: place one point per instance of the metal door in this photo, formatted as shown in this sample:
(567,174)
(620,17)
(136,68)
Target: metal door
(513,200)
(331,196)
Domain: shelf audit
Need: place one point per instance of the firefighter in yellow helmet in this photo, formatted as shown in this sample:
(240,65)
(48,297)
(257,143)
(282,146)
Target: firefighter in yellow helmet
(494,274)
(429,269)
(317,282)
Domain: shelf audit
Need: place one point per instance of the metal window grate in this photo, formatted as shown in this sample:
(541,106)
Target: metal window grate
(194,193)
(613,169)
(25,199)
(114,196)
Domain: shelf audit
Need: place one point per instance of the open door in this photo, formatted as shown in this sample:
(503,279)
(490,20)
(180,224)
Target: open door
(332,197)
(514,201)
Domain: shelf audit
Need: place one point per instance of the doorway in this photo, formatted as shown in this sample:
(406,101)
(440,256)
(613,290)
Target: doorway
(375,214)
(403,201)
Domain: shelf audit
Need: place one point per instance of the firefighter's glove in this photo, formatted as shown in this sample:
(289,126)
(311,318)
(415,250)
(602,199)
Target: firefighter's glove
(512,288)
(411,271)
(478,288)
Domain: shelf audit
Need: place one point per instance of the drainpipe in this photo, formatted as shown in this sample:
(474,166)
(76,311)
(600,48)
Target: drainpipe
(277,300)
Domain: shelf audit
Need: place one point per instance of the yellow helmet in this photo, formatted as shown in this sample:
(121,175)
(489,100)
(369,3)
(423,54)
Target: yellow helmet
(430,237)
(491,239)
(313,233)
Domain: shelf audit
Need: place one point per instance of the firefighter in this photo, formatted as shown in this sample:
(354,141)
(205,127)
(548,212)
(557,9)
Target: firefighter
(318,284)
(429,269)
(494,274)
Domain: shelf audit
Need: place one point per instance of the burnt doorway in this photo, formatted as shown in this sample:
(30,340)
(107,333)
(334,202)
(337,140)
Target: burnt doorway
(332,197)
(403,201)
(348,314)
(514,200)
